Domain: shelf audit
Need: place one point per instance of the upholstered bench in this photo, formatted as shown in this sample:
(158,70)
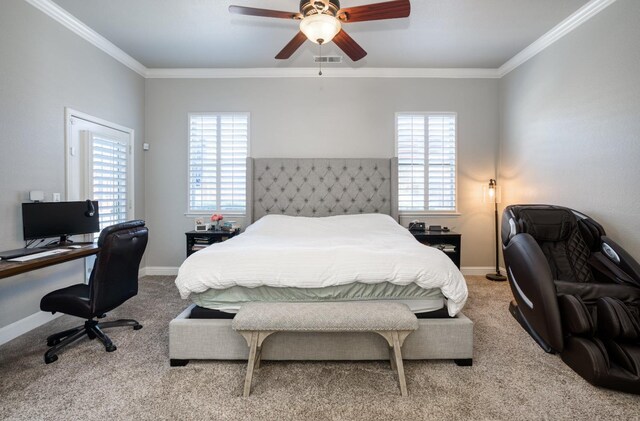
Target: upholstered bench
(393,321)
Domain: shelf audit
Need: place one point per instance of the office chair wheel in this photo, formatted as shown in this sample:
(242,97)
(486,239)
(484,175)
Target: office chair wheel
(110,348)
(53,342)
(137,327)
(48,359)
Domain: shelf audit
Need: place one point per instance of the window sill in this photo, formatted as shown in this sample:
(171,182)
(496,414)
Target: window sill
(410,214)
(193,214)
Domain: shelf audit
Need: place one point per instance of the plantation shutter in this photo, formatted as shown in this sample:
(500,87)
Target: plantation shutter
(109,169)
(426,150)
(218,149)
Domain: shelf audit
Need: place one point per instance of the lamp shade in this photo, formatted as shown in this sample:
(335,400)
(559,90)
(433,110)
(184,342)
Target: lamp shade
(491,193)
(320,28)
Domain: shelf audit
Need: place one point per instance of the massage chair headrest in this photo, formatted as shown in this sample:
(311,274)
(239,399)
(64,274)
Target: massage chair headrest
(549,223)
(545,223)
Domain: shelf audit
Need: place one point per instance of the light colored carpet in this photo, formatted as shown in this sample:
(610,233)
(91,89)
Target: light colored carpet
(511,378)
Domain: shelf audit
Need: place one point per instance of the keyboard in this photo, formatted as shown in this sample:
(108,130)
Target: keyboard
(38,255)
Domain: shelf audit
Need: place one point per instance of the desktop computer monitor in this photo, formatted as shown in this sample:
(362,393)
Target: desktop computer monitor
(59,219)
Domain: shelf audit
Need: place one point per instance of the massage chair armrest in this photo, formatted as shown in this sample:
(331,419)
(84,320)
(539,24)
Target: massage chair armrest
(534,290)
(622,266)
(590,292)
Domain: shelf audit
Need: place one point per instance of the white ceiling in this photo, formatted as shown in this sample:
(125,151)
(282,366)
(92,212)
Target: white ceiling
(203,34)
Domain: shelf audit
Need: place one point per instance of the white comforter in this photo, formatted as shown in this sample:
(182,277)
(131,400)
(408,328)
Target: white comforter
(287,251)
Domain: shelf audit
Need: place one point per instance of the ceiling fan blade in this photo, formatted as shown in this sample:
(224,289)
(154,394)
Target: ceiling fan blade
(387,10)
(266,13)
(292,46)
(349,46)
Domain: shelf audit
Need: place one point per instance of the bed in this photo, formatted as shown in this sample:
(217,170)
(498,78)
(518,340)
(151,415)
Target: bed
(325,229)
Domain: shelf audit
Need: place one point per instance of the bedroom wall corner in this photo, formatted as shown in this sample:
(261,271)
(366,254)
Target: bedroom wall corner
(569,130)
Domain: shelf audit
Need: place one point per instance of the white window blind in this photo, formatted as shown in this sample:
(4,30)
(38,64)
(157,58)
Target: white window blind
(218,149)
(426,150)
(109,178)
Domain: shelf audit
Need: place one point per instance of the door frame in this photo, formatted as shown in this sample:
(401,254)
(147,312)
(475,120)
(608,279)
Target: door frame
(69,115)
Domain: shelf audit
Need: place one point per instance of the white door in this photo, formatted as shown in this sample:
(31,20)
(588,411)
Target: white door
(99,158)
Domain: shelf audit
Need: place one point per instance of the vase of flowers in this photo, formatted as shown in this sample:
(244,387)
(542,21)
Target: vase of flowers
(216,218)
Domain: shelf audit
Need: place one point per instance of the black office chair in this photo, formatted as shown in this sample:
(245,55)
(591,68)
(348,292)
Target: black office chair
(113,281)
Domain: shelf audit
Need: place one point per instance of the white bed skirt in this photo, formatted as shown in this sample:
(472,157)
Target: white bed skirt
(213,339)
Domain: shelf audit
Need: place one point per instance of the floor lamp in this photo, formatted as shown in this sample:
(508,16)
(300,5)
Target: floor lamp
(493,195)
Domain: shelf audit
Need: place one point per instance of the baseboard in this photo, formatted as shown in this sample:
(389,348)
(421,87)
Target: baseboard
(159,270)
(479,270)
(23,326)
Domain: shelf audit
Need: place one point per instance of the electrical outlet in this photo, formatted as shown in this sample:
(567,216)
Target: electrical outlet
(56,197)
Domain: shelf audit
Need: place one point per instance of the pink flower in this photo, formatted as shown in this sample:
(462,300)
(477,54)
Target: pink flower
(215,217)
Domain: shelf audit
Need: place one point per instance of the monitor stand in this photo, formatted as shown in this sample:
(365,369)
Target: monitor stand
(64,241)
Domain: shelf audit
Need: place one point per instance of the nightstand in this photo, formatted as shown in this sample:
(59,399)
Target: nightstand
(197,240)
(440,240)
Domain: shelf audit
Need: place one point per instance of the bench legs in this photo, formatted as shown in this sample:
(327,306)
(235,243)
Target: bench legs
(394,338)
(254,340)
(253,349)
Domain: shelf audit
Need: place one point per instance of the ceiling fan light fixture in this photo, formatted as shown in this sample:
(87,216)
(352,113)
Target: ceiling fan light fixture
(320,28)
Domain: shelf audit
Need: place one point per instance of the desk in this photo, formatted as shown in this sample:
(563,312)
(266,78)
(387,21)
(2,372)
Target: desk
(15,268)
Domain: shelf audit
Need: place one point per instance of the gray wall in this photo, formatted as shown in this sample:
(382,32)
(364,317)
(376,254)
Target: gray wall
(570,124)
(44,68)
(318,117)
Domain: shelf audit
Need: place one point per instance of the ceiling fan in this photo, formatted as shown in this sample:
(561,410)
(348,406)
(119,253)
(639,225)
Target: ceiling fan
(321,21)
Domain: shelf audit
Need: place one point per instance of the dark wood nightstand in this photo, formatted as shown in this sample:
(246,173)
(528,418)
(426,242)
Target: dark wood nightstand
(439,239)
(197,240)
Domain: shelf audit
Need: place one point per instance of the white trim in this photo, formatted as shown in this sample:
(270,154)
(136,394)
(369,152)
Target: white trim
(160,270)
(75,25)
(582,15)
(268,72)
(412,214)
(23,326)
(479,270)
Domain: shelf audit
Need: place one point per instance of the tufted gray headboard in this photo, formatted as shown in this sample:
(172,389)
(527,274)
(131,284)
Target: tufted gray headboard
(321,187)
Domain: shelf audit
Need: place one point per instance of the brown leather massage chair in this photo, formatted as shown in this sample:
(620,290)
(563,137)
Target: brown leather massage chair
(577,292)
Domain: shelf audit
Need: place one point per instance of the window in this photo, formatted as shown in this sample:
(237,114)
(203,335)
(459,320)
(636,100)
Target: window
(218,150)
(108,161)
(426,150)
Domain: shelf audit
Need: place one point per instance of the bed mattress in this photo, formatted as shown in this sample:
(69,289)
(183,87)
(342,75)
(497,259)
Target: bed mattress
(321,256)
(229,300)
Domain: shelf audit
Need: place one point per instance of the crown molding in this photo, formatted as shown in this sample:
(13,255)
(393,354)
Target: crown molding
(72,23)
(270,72)
(579,17)
(582,15)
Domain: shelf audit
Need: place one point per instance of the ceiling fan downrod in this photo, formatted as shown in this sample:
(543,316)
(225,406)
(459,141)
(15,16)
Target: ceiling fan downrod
(320,61)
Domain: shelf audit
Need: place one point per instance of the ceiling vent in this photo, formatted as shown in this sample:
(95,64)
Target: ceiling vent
(327,59)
